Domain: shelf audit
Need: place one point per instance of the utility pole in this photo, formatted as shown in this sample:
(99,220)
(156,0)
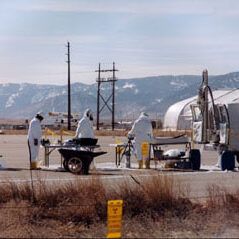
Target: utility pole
(206,109)
(100,98)
(98,101)
(113,98)
(69,85)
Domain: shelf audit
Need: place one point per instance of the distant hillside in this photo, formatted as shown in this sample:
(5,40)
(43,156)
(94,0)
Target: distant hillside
(151,94)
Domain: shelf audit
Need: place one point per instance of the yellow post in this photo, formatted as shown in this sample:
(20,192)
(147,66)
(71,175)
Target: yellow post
(119,150)
(114,211)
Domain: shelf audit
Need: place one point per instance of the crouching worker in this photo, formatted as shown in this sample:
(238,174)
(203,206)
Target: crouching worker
(34,140)
(142,132)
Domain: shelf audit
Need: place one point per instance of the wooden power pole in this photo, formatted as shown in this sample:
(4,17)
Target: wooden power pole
(69,85)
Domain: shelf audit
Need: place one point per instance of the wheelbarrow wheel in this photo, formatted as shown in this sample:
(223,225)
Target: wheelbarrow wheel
(75,165)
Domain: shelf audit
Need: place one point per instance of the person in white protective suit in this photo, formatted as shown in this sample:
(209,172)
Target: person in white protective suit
(34,140)
(85,126)
(142,132)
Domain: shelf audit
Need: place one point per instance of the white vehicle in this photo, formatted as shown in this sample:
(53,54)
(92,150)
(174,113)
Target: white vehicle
(216,125)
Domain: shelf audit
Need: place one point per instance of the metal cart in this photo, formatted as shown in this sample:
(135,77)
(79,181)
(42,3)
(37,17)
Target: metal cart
(192,161)
(77,154)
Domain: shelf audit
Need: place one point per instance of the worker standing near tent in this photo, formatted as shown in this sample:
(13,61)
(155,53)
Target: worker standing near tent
(34,140)
(142,132)
(85,126)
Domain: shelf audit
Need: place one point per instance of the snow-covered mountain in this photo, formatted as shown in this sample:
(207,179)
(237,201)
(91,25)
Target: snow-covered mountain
(151,94)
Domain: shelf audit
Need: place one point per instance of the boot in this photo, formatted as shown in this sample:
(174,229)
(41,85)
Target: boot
(34,165)
(147,163)
(141,163)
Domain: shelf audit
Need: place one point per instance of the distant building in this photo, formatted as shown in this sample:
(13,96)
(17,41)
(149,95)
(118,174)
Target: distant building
(179,116)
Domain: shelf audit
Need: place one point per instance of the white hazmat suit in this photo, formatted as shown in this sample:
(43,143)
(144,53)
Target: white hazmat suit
(85,126)
(142,132)
(34,138)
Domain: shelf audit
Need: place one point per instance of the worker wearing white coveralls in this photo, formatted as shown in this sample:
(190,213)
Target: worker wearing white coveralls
(34,139)
(142,132)
(85,126)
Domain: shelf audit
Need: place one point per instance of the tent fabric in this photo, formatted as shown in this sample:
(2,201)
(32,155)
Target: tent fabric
(179,116)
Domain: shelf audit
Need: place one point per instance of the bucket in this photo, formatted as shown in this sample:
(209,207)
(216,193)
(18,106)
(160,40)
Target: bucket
(147,163)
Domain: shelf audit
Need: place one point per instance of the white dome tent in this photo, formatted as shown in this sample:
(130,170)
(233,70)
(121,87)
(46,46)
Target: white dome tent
(179,116)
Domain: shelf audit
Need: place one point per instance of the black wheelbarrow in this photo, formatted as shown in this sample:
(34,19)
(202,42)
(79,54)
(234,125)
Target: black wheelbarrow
(78,161)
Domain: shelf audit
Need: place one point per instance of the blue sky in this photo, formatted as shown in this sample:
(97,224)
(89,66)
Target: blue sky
(143,37)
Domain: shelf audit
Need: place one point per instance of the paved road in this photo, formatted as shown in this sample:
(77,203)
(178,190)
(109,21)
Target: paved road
(16,160)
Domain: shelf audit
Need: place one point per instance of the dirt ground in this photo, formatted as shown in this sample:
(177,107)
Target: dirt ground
(219,225)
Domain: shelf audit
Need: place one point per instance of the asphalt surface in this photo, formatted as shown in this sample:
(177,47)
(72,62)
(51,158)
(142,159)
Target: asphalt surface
(15,167)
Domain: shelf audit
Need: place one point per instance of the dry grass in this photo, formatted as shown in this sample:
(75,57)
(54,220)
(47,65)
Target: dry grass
(152,208)
(154,196)
(219,197)
(85,201)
